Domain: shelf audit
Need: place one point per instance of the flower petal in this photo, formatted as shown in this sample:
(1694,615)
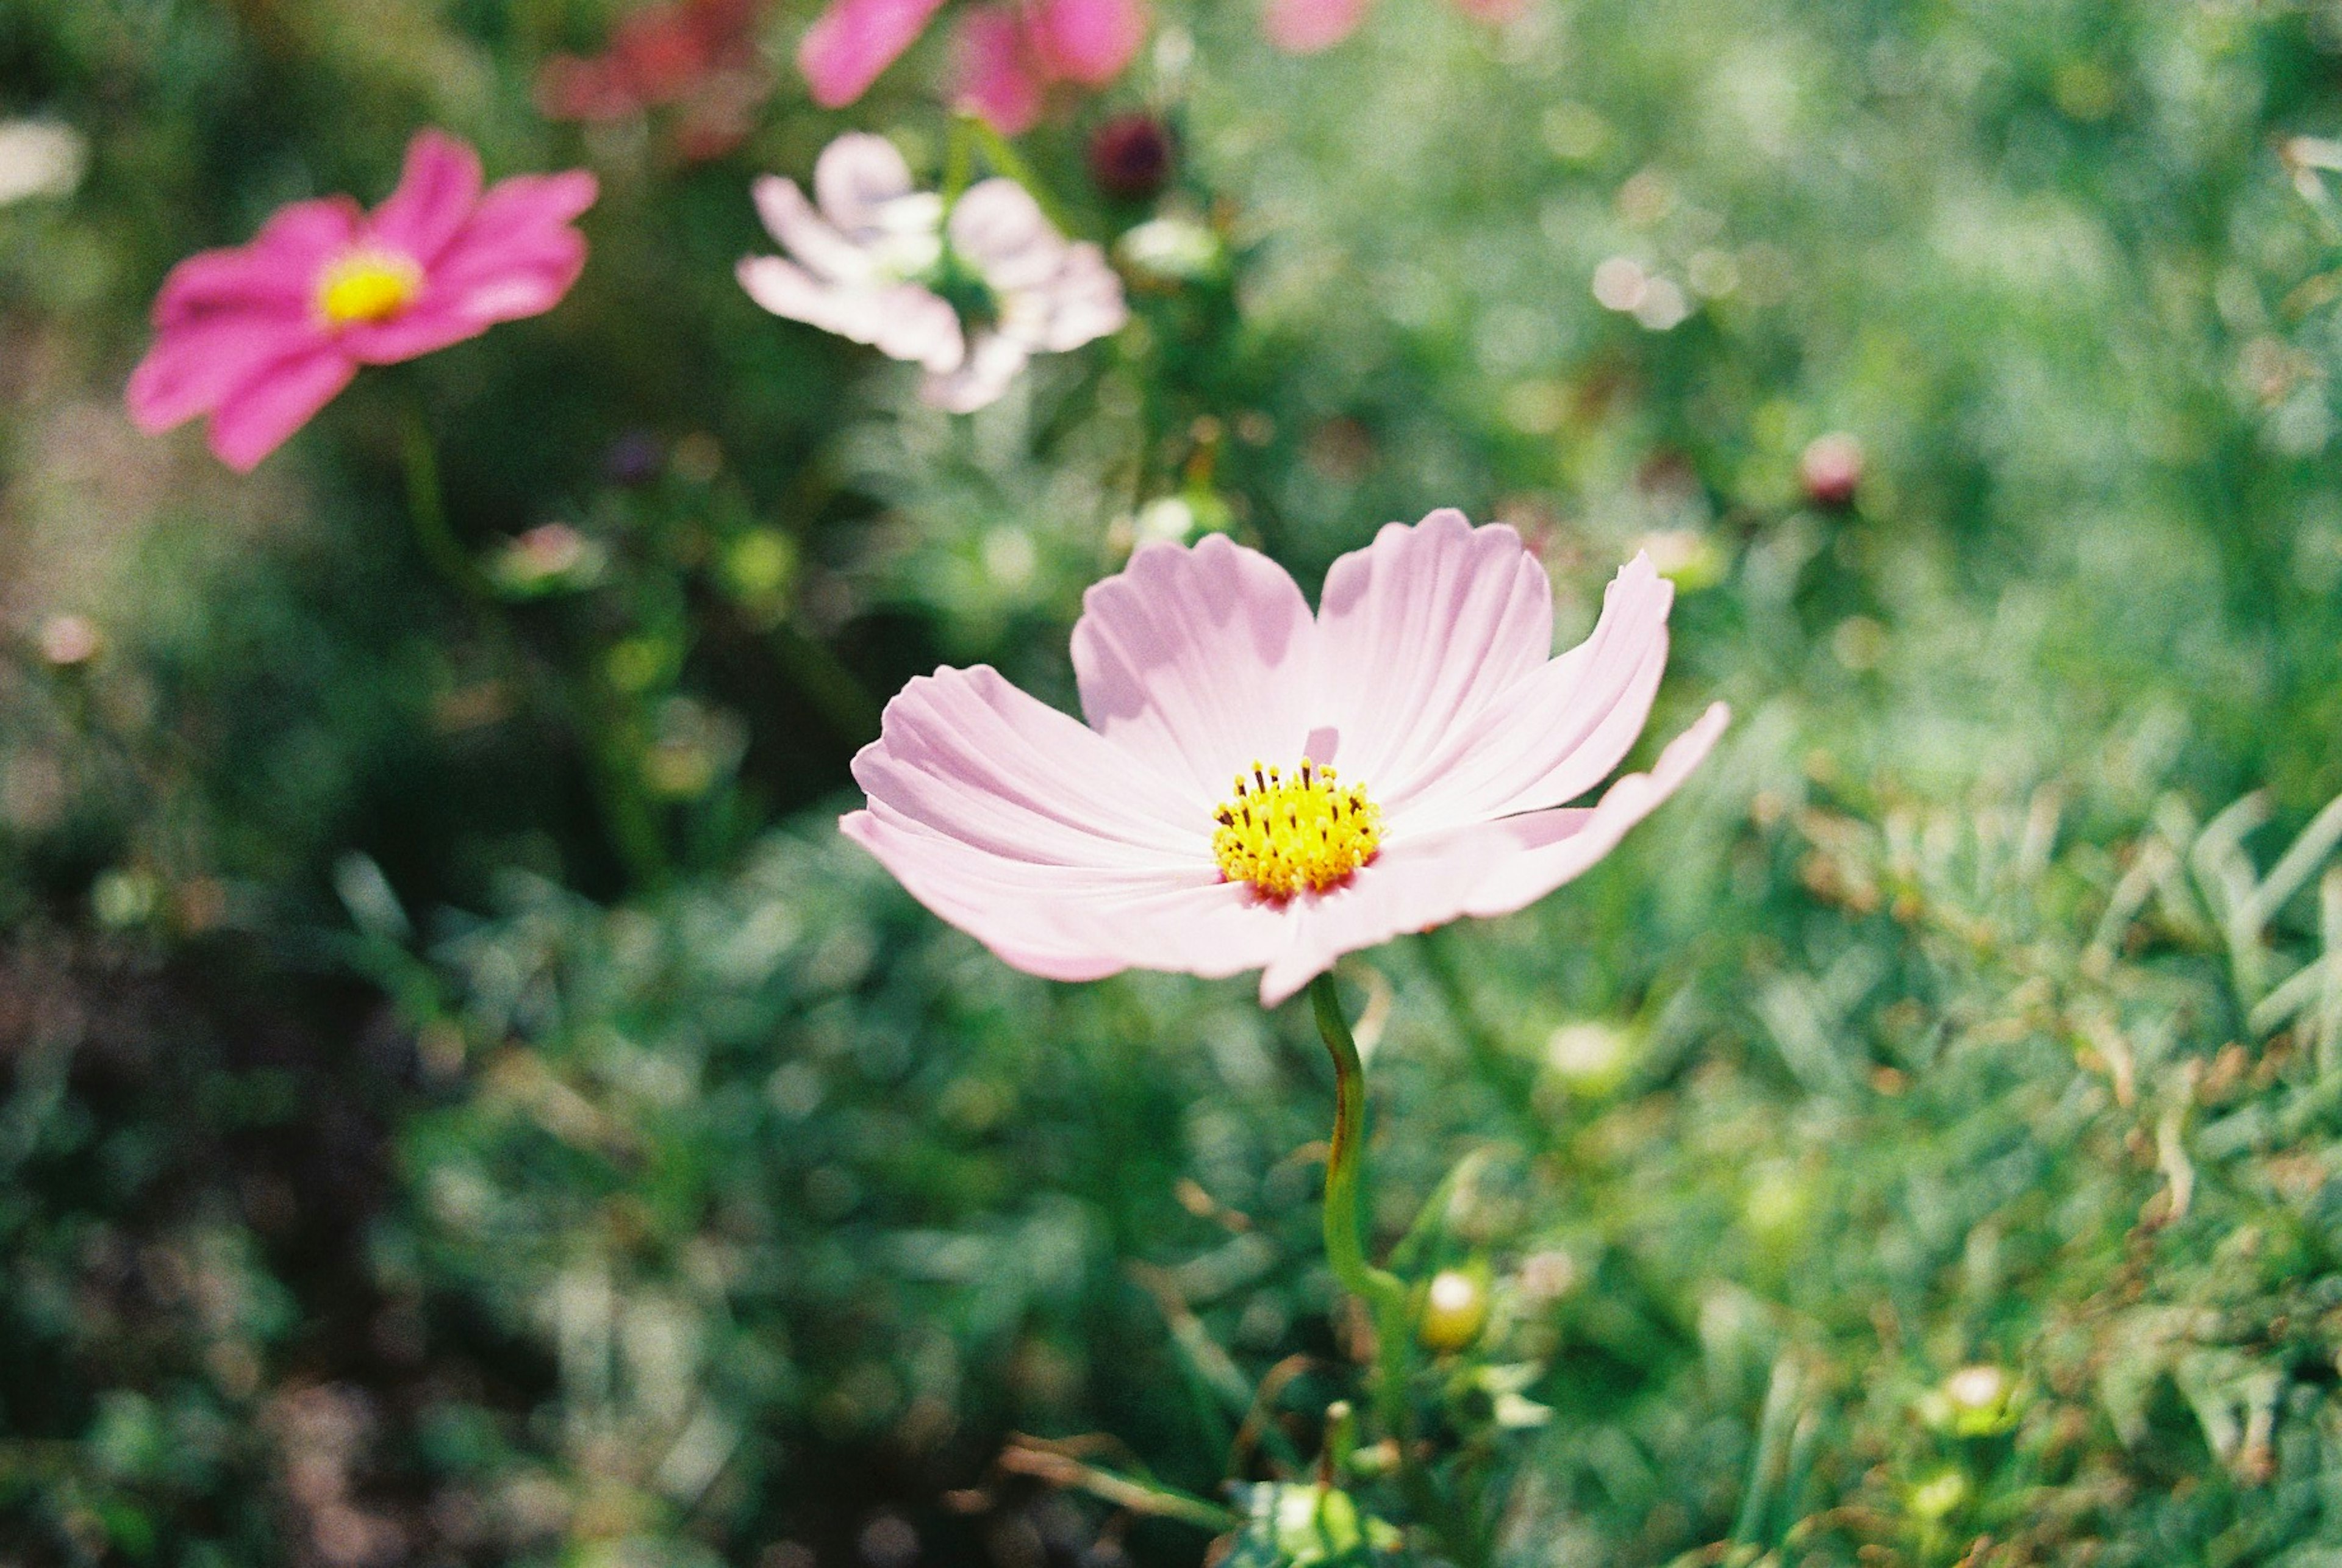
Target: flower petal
(1557,732)
(857,177)
(966,754)
(903,321)
(1195,661)
(1305,26)
(436,195)
(993,70)
(811,240)
(998,229)
(993,363)
(259,416)
(1089,41)
(1077,924)
(1480,869)
(1421,630)
(1082,302)
(516,256)
(852,40)
(194,366)
(276,274)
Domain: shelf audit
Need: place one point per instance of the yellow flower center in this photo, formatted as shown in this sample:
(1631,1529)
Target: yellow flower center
(367,285)
(1281,834)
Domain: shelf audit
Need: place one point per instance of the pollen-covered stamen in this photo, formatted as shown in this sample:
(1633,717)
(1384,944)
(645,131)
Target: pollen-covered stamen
(367,285)
(1284,835)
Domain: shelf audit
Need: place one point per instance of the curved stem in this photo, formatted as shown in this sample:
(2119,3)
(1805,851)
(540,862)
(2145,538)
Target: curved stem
(1383,1291)
(426,511)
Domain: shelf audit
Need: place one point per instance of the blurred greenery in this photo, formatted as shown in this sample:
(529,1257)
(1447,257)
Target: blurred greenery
(460,1102)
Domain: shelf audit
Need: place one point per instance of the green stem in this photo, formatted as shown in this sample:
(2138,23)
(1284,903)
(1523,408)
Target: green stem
(959,157)
(1005,159)
(1383,1291)
(427,511)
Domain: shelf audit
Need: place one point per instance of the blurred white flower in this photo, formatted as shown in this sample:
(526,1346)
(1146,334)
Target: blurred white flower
(972,298)
(39,158)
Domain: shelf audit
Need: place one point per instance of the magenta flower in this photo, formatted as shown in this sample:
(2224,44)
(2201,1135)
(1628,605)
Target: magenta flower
(1260,788)
(262,336)
(1009,55)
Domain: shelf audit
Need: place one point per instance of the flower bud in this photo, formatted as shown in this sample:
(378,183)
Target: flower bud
(1131,157)
(1454,1310)
(1831,470)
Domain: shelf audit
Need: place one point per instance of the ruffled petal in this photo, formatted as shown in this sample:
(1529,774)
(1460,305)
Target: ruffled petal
(1196,660)
(517,256)
(852,42)
(969,756)
(259,416)
(1481,869)
(1555,733)
(1421,630)
(436,195)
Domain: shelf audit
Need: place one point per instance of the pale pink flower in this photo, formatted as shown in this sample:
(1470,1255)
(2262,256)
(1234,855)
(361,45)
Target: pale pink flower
(1010,55)
(262,336)
(869,254)
(1260,788)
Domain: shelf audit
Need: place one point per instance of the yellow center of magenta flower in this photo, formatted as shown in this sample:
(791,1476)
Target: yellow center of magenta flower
(1281,834)
(367,285)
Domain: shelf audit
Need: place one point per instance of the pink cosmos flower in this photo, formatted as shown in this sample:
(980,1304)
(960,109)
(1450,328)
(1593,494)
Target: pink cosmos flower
(1260,788)
(1010,55)
(263,336)
(868,254)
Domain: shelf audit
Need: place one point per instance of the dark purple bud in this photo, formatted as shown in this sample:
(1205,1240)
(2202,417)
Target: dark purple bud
(1131,157)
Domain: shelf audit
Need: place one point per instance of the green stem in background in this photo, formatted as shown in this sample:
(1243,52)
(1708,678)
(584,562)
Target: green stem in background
(1384,1293)
(1005,159)
(843,703)
(426,511)
(959,157)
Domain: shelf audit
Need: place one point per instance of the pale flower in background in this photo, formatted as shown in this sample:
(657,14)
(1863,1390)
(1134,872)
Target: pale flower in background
(873,259)
(1426,677)
(40,158)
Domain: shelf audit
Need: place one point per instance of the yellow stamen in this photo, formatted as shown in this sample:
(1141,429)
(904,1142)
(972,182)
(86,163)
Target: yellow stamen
(367,285)
(1283,834)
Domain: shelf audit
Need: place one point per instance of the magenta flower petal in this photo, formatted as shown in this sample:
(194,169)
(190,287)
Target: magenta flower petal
(259,416)
(193,368)
(263,336)
(1196,661)
(1480,869)
(852,42)
(274,275)
(1306,26)
(1421,630)
(1089,41)
(994,73)
(435,195)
